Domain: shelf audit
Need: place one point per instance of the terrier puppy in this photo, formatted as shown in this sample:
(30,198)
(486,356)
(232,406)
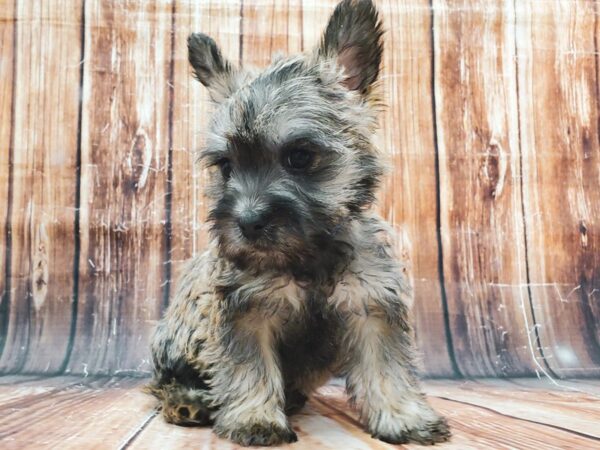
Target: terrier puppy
(300,281)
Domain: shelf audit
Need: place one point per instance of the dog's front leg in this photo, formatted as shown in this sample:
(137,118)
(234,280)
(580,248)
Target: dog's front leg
(247,382)
(381,377)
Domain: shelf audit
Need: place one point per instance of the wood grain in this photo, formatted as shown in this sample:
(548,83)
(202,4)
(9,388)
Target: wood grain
(315,15)
(122,269)
(542,404)
(97,413)
(491,130)
(479,428)
(271,28)
(473,425)
(28,388)
(558,92)
(480,195)
(44,184)
(408,198)
(7,63)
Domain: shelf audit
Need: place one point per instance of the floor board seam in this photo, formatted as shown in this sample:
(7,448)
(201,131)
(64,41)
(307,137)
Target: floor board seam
(495,411)
(136,432)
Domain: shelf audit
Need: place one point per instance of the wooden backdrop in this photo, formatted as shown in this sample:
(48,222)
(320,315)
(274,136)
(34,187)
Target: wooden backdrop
(492,129)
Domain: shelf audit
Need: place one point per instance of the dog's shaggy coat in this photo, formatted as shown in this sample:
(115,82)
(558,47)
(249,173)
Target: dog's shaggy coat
(300,281)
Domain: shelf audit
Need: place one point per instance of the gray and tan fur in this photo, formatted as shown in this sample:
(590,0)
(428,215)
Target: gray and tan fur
(300,282)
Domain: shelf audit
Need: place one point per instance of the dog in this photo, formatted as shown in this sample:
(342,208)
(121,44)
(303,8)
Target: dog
(300,282)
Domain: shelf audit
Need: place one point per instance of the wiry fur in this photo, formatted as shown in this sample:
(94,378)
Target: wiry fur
(256,326)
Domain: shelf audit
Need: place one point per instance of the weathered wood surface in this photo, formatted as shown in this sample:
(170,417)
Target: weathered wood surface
(474,424)
(558,91)
(285,22)
(491,130)
(7,63)
(533,399)
(43,185)
(409,196)
(124,161)
(70,412)
(477,136)
(93,413)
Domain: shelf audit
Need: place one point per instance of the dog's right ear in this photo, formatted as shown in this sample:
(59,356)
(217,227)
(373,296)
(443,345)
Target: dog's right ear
(219,76)
(353,38)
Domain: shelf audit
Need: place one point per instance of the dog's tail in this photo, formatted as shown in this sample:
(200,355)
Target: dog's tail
(182,405)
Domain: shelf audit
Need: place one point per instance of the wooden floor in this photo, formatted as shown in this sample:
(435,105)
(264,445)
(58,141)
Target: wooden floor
(112,413)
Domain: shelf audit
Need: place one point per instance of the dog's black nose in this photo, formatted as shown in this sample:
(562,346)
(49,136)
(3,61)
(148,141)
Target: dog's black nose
(252,224)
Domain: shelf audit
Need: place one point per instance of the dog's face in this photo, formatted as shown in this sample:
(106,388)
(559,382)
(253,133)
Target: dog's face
(290,148)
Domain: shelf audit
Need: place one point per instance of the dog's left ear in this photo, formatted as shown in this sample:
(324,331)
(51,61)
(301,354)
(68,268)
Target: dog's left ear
(220,77)
(354,38)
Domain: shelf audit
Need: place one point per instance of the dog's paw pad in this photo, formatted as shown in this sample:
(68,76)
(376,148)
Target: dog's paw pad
(186,415)
(184,412)
(263,434)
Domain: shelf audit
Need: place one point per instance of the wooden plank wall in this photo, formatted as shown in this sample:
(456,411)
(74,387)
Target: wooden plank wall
(491,132)
(43,165)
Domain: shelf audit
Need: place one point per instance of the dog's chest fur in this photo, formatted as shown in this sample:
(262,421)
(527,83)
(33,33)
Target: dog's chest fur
(343,279)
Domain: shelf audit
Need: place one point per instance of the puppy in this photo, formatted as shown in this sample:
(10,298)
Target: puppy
(300,281)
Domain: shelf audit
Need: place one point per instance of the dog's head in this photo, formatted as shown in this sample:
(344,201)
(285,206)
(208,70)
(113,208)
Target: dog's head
(290,148)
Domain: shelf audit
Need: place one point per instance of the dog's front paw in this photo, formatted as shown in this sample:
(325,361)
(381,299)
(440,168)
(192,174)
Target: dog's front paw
(418,423)
(262,434)
(426,433)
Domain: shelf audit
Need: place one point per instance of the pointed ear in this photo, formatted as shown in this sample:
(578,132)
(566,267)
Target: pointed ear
(219,76)
(354,38)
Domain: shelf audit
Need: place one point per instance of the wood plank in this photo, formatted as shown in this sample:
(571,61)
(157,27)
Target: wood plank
(191,112)
(478,427)
(44,184)
(583,386)
(98,414)
(587,385)
(114,413)
(558,86)
(13,379)
(270,28)
(315,15)
(481,208)
(123,184)
(7,63)
(576,411)
(408,199)
(16,387)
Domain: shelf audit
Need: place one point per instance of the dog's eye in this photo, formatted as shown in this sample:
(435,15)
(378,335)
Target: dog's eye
(299,159)
(225,166)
